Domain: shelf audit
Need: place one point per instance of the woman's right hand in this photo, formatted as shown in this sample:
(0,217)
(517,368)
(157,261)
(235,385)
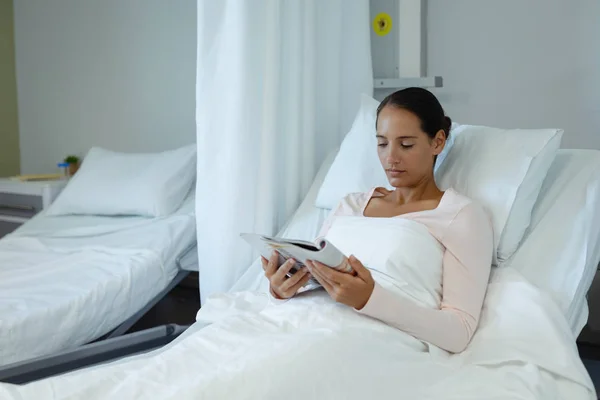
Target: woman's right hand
(281,286)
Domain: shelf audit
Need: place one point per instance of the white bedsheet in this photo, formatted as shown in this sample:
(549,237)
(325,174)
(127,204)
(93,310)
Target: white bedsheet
(65,281)
(311,347)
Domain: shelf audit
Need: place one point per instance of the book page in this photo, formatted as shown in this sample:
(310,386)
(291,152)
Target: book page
(328,254)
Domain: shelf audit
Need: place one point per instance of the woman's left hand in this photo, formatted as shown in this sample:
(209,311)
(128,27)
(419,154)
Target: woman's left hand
(351,290)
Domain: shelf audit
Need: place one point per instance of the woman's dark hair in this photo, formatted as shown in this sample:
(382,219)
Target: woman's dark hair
(424,105)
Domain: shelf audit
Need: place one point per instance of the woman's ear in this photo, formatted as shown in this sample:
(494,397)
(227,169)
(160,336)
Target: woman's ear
(438,142)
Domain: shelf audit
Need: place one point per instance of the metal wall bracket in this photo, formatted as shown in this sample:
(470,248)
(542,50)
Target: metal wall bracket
(400,83)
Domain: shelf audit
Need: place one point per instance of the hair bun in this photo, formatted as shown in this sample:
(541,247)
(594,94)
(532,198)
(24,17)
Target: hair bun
(446,125)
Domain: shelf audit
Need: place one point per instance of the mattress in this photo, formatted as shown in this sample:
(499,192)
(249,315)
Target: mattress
(65,281)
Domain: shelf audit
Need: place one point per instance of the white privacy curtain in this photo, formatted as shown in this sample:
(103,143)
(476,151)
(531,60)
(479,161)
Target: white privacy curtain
(278,83)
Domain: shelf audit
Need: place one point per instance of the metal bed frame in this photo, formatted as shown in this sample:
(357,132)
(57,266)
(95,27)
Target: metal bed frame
(115,344)
(90,354)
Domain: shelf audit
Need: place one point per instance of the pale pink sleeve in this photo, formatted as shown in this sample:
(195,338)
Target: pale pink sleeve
(466,269)
(328,222)
(349,205)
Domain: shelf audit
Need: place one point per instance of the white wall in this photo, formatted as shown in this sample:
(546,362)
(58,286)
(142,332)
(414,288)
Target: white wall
(112,73)
(515,63)
(384,49)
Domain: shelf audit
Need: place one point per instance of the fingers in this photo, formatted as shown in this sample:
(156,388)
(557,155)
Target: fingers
(360,269)
(330,274)
(327,285)
(280,274)
(294,279)
(293,284)
(303,281)
(294,289)
(275,294)
(271,265)
(278,280)
(318,273)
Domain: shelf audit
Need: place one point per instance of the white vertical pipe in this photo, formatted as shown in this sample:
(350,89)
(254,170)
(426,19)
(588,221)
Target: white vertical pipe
(411,38)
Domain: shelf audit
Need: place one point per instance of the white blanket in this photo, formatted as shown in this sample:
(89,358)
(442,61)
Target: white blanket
(243,346)
(65,281)
(402,255)
(52,298)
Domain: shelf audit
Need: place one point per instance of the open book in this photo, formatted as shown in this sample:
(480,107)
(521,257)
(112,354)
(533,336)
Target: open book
(321,250)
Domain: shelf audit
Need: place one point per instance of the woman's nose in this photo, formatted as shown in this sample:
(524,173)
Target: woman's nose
(392,161)
(393,157)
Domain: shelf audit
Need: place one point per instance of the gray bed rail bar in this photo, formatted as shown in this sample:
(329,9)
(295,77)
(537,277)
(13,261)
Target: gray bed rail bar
(91,354)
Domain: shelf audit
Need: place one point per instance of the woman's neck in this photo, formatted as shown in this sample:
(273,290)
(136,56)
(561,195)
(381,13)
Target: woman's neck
(426,189)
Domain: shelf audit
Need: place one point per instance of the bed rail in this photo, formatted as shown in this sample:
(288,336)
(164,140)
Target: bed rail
(91,354)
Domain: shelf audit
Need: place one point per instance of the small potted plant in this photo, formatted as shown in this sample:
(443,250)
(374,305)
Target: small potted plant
(73,162)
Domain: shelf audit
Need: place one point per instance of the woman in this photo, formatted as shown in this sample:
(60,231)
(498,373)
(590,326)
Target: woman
(412,130)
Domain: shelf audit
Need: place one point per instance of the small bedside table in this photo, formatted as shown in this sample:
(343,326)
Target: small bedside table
(19,201)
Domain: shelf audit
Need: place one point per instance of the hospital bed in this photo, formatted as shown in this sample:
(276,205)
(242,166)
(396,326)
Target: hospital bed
(559,255)
(69,280)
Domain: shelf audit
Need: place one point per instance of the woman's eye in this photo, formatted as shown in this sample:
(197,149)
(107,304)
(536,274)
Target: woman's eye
(407,146)
(381,144)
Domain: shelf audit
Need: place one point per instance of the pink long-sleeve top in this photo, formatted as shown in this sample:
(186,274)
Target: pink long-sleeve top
(465,231)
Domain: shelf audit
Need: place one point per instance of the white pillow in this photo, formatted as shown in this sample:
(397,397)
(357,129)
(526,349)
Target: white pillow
(112,183)
(561,249)
(356,167)
(503,170)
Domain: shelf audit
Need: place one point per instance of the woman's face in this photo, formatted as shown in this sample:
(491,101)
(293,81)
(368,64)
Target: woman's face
(406,152)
